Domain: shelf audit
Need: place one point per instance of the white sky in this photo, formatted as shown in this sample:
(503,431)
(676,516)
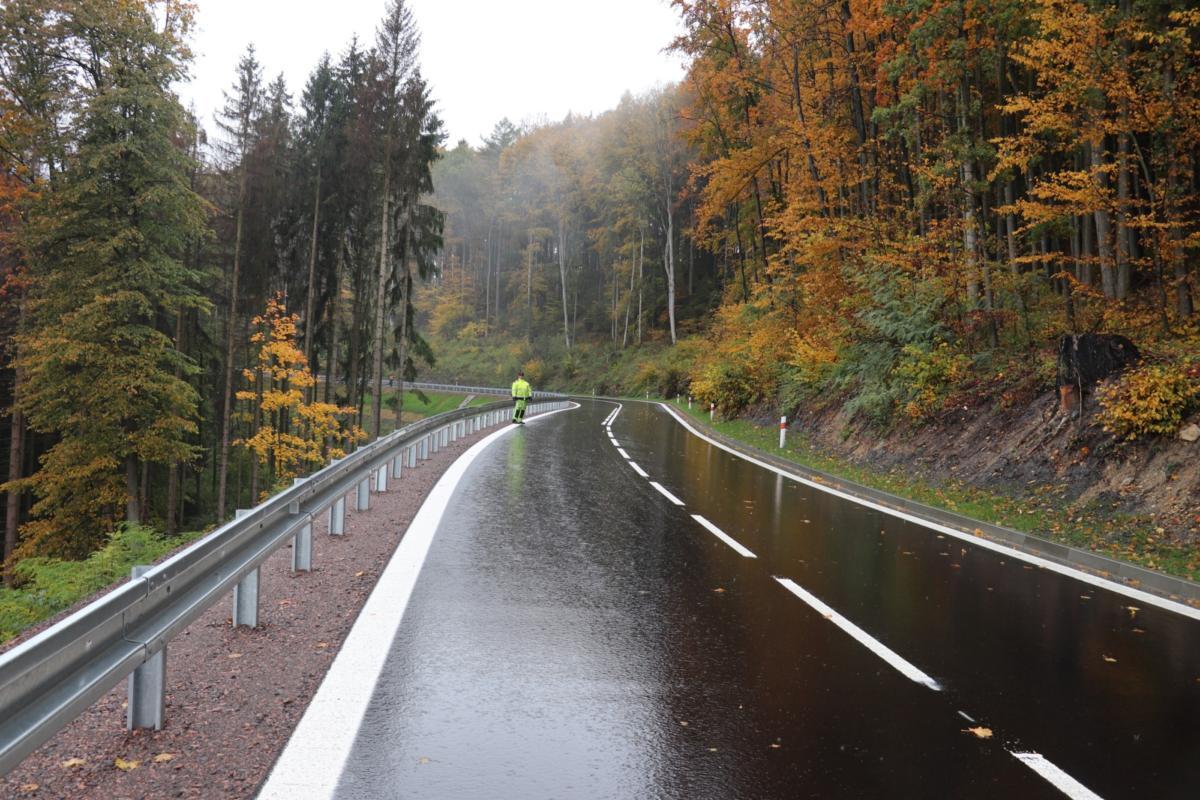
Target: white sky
(485,59)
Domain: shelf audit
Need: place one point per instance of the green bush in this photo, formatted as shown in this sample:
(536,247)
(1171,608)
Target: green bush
(48,585)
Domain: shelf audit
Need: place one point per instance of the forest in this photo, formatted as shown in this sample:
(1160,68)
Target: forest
(890,207)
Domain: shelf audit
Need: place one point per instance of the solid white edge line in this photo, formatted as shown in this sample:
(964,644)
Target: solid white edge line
(662,490)
(724,537)
(624,455)
(898,662)
(987,544)
(1055,776)
(638,469)
(311,764)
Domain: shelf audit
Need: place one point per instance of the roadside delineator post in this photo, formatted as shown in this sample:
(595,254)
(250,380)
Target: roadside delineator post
(712,411)
(364,495)
(245,592)
(147,684)
(689,402)
(782,432)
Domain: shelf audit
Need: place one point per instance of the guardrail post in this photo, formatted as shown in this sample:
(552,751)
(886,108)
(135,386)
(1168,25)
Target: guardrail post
(397,465)
(381,476)
(435,441)
(412,456)
(302,542)
(337,517)
(364,495)
(146,706)
(245,593)
(424,453)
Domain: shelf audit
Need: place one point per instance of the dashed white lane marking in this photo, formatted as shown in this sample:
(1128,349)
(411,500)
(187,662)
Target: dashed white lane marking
(665,493)
(987,544)
(966,716)
(312,762)
(624,455)
(638,469)
(724,537)
(1056,777)
(877,647)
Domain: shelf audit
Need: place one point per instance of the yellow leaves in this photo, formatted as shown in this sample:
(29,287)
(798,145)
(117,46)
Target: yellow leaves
(979,732)
(73,763)
(126,765)
(1109,659)
(163,758)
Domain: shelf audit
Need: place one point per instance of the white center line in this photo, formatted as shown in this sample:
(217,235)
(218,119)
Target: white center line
(638,469)
(624,455)
(724,537)
(862,637)
(666,494)
(1057,778)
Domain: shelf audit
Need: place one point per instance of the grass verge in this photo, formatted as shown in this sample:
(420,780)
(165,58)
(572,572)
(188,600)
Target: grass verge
(1043,511)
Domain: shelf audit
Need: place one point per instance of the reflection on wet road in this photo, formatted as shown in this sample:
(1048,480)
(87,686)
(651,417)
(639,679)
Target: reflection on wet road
(615,608)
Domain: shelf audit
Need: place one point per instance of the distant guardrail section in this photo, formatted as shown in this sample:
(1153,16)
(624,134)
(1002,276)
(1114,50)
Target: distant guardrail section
(49,680)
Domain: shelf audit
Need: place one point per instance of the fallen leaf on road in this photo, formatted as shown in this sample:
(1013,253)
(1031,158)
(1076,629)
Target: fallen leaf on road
(1132,611)
(718,590)
(1110,659)
(72,763)
(683,722)
(126,766)
(29,787)
(979,532)
(163,758)
(322,645)
(424,760)
(712,749)
(775,745)
(1138,630)
(360,573)
(1085,597)
(285,603)
(980,732)
(235,655)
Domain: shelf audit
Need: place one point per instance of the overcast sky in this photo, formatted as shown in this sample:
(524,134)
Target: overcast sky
(485,59)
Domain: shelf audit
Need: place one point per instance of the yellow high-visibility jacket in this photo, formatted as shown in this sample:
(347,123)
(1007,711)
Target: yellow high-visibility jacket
(521,389)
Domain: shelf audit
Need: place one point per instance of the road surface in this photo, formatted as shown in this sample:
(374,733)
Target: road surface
(617,608)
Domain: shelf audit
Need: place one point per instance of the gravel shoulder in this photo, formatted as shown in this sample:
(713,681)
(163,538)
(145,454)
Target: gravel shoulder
(234,696)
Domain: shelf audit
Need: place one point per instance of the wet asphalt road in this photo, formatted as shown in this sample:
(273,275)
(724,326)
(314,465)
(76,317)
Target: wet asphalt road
(575,634)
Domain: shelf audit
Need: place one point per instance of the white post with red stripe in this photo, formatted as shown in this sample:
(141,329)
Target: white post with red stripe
(782,431)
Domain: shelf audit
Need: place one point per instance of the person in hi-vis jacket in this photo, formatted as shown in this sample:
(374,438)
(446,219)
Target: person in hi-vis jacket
(521,392)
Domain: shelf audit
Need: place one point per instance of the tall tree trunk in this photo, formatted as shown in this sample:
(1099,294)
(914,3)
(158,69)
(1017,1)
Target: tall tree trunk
(16,455)
(310,323)
(641,279)
(133,513)
(331,366)
(174,482)
(380,302)
(529,291)
(628,305)
(1108,275)
(970,233)
(230,351)
(669,264)
(562,274)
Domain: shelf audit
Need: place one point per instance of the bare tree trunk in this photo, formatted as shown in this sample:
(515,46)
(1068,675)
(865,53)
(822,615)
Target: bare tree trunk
(641,280)
(562,274)
(133,513)
(331,357)
(403,346)
(970,233)
(1108,276)
(230,343)
(310,301)
(529,291)
(669,265)
(380,301)
(174,482)
(16,456)
(628,306)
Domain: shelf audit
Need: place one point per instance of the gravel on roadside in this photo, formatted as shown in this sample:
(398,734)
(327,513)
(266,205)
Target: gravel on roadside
(234,696)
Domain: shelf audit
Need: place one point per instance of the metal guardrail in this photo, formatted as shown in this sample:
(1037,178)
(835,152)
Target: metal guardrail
(454,388)
(49,680)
